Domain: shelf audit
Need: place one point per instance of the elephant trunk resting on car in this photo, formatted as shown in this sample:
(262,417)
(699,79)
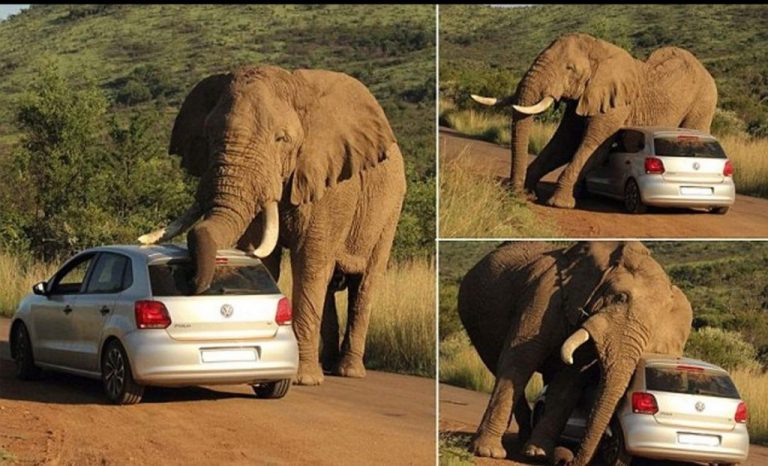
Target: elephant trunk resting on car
(534,307)
(604,89)
(304,160)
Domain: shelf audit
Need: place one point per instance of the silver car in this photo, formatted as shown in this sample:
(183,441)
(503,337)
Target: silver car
(677,409)
(665,167)
(125,314)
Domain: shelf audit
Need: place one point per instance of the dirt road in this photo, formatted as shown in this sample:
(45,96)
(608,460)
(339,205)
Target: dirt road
(605,218)
(461,410)
(383,419)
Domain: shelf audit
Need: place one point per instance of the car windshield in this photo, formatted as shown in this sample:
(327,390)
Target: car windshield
(693,381)
(174,278)
(688,146)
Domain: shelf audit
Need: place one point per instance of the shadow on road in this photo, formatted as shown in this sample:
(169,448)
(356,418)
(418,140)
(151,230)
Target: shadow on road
(55,387)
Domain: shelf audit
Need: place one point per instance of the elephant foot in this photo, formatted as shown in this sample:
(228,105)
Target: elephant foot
(535,451)
(562,456)
(562,201)
(488,447)
(350,366)
(309,374)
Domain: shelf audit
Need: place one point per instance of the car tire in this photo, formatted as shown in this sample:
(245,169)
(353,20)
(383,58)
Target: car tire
(612,450)
(23,355)
(720,210)
(272,390)
(116,376)
(633,202)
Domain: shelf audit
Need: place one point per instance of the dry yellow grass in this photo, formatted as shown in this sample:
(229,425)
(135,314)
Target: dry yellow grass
(753,388)
(750,163)
(401,336)
(17,275)
(475,205)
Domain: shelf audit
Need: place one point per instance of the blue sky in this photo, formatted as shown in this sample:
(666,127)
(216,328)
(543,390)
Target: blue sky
(7,10)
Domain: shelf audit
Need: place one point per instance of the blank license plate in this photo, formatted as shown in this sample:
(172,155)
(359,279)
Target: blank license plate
(695,439)
(235,355)
(695,191)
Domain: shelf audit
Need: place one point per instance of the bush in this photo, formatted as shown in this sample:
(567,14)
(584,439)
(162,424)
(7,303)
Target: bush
(725,348)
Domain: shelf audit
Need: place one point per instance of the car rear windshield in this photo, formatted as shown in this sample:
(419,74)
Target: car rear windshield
(691,381)
(174,278)
(683,146)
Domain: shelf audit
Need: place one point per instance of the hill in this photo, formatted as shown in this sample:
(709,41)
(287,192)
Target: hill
(146,58)
(487,49)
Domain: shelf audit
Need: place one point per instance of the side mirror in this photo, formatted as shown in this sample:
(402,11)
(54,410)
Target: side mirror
(39,289)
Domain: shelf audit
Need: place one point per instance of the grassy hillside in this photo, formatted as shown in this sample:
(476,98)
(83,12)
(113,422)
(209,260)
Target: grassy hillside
(146,58)
(486,49)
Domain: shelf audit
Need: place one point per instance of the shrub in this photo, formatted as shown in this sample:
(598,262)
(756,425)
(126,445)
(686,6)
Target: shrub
(725,348)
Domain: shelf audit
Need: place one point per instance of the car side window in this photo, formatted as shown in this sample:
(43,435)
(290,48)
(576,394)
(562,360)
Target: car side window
(110,274)
(633,141)
(69,280)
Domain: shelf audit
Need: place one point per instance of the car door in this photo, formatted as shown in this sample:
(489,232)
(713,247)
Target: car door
(111,274)
(628,161)
(601,180)
(52,315)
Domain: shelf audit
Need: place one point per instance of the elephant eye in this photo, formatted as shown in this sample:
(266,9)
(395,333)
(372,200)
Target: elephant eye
(282,136)
(621,298)
(570,67)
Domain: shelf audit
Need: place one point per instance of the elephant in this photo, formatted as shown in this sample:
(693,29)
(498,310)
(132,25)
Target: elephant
(529,306)
(304,160)
(604,89)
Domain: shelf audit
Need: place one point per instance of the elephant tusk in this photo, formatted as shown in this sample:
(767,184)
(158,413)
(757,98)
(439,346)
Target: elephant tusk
(544,104)
(270,232)
(577,338)
(184,222)
(484,100)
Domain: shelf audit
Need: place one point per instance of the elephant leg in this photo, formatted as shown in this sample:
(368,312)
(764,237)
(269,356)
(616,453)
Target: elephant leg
(329,332)
(360,297)
(523,419)
(563,394)
(515,368)
(599,129)
(310,286)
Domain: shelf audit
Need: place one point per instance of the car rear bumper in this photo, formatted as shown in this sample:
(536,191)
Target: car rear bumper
(157,359)
(645,437)
(657,192)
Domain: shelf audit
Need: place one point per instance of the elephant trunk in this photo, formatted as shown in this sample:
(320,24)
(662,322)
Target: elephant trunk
(242,187)
(618,356)
(529,94)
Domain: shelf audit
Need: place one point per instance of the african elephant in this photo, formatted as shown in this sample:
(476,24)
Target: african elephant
(529,306)
(604,89)
(304,160)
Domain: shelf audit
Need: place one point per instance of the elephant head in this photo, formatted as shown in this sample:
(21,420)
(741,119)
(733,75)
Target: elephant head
(592,76)
(628,308)
(263,136)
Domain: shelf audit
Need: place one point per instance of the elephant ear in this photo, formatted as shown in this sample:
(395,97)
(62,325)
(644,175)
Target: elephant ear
(188,138)
(613,83)
(345,132)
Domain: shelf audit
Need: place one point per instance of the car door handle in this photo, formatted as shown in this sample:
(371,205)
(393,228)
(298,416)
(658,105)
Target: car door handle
(67,309)
(104,310)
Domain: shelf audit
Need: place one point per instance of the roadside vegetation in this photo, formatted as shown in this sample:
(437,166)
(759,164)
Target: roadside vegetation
(725,282)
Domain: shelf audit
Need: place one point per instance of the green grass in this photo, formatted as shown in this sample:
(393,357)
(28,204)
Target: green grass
(454,449)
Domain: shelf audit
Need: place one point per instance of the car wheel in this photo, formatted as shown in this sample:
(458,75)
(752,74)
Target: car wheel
(720,210)
(612,450)
(23,355)
(632,200)
(272,389)
(117,377)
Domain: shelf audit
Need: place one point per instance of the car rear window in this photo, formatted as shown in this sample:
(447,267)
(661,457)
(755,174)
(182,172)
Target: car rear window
(690,381)
(174,278)
(683,146)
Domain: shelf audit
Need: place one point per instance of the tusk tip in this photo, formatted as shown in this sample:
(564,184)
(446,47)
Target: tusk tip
(484,100)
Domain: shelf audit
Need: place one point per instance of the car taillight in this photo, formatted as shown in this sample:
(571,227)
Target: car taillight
(654,166)
(690,368)
(644,403)
(151,314)
(284,314)
(741,413)
(728,168)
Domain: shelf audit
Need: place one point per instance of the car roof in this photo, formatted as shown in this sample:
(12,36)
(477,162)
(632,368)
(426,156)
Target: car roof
(651,359)
(670,131)
(161,252)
